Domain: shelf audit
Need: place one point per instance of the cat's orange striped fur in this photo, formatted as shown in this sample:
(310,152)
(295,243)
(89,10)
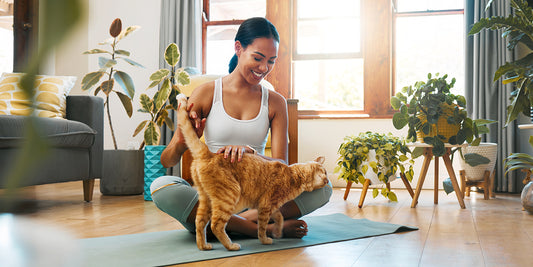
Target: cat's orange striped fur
(225,188)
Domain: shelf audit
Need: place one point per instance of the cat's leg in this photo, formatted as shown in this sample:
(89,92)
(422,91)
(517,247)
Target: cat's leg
(262,223)
(202,218)
(277,232)
(219,220)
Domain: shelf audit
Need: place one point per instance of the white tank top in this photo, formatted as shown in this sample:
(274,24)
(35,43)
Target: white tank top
(221,129)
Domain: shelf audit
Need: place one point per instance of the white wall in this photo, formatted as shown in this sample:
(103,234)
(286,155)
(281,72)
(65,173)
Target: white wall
(143,45)
(320,137)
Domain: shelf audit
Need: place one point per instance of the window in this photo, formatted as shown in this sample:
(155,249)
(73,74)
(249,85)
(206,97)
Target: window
(221,20)
(327,58)
(345,58)
(429,39)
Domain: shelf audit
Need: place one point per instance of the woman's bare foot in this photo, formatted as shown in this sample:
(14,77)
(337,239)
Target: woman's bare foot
(291,228)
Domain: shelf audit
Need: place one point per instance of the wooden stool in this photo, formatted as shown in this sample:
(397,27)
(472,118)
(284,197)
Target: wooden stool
(486,184)
(367,184)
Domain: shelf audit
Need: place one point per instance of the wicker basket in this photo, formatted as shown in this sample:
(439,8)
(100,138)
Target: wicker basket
(444,128)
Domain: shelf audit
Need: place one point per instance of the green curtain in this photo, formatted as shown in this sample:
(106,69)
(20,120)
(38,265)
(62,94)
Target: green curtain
(181,24)
(485,52)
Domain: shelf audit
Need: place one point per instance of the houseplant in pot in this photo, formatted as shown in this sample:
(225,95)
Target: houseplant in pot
(121,169)
(158,107)
(435,116)
(375,157)
(518,30)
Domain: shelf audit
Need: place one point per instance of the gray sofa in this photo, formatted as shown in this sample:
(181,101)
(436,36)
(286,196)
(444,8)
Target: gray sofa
(76,145)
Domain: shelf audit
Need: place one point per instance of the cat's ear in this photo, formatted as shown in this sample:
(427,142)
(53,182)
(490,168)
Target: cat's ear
(320,160)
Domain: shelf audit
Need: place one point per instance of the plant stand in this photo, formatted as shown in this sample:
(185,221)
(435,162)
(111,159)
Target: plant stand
(428,156)
(368,183)
(485,184)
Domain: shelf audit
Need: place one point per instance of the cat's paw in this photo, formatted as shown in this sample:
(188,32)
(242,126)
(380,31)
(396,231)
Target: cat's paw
(233,247)
(267,241)
(206,246)
(277,233)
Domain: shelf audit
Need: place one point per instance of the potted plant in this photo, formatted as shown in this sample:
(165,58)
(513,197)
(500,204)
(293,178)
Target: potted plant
(375,157)
(108,72)
(158,107)
(122,170)
(435,116)
(518,28)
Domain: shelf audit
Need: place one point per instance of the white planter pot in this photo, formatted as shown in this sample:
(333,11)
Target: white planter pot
(488,150)
(371,175)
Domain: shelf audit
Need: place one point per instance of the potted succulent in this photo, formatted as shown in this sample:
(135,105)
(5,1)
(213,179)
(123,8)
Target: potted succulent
(435,116)
(518,28)
(122,170)
(158,107)
(376,157)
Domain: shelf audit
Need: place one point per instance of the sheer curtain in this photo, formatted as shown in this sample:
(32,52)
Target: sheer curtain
(181,24)
(485,52)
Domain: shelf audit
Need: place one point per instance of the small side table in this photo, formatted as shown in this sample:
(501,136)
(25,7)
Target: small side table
(428,155)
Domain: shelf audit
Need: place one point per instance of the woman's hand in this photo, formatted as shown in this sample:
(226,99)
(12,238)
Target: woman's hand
(236,152)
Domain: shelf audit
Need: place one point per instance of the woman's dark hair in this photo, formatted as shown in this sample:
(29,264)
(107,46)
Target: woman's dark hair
(251,29)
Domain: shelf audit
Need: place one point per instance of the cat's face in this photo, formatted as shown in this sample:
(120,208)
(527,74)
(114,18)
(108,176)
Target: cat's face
(318,175)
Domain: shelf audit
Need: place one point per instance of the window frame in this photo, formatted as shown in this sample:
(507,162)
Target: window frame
(25,29)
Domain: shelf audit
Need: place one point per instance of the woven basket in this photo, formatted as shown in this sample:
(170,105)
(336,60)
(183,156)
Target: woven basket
(444,128)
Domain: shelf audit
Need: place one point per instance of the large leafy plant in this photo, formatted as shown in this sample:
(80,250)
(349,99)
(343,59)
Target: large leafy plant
(423,104)
(164,99)
(517,28)
(108,72)
(391,155)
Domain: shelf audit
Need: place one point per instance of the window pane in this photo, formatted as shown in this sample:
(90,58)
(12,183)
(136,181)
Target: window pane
(329,84)
(236,9)
(6,35)
(425,5)
(427,44)
(328,36)
(333,8)
(220,48)
(323,28)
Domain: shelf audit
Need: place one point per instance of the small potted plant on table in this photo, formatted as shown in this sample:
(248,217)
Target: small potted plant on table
(374,158)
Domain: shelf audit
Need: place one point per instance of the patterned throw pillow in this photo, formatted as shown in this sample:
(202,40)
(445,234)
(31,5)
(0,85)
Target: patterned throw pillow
(50,95)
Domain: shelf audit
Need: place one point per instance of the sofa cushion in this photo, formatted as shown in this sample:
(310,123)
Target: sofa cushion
(49,100)
(59,133)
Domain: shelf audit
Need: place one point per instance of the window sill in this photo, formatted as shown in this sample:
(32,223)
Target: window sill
(343,116)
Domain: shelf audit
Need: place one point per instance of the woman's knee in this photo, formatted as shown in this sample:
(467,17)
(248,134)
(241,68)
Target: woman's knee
(176,197)
(308,202)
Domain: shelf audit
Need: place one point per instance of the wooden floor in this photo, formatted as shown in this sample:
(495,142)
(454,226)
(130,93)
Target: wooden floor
(492,232)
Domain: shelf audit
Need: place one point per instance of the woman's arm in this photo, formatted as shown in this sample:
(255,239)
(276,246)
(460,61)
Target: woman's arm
(277,107)
(198,109)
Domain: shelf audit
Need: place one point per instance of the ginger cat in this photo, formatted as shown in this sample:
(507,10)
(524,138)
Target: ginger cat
(225,188)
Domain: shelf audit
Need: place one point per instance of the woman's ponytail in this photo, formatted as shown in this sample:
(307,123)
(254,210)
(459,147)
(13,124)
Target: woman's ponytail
(233,63)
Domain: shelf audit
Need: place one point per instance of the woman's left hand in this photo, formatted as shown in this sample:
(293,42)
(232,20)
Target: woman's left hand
(235,152)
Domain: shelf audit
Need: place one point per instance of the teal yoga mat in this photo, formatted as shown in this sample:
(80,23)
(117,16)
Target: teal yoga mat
(179,246)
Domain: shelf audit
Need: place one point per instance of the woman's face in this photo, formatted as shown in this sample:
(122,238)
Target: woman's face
(258,59)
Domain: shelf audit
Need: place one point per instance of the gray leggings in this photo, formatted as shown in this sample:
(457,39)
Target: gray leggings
(176,197)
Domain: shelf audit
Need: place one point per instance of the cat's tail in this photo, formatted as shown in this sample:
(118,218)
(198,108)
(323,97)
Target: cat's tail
(196,146)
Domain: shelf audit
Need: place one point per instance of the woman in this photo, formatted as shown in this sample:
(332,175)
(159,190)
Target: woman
(235,113)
